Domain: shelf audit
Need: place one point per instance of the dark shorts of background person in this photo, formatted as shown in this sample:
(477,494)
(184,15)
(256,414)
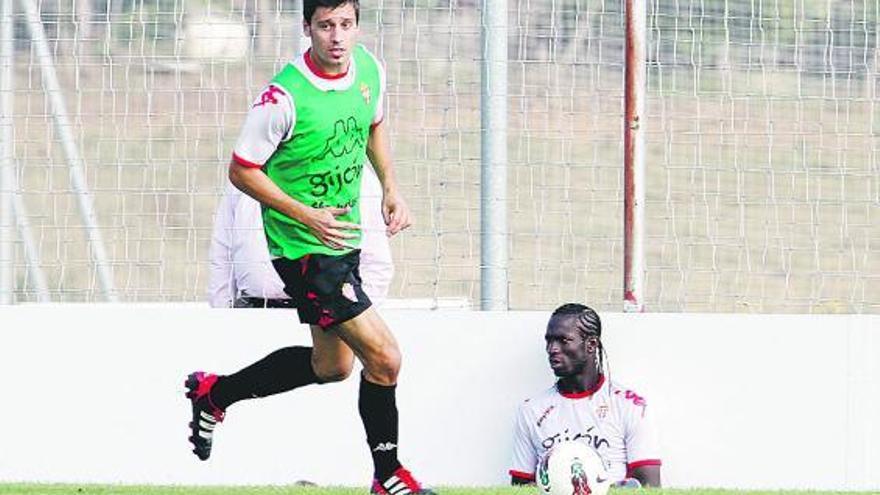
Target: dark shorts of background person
(326,290)
(259,302)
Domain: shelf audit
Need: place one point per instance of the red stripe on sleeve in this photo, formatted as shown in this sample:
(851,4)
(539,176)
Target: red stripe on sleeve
(520,474)
(630,467)
(245,163)
(373,126)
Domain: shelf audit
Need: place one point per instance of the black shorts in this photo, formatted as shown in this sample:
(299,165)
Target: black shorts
(325,289)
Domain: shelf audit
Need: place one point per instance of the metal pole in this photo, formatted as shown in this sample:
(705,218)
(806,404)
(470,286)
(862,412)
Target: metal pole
(7,172)
(634,157)
(493,176)
(74,160)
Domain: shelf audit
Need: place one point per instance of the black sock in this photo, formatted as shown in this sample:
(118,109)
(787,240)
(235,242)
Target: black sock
(378,407)
(283,370)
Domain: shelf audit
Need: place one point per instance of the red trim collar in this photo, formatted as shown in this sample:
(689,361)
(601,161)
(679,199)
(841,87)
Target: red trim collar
(585,393)
(318,72)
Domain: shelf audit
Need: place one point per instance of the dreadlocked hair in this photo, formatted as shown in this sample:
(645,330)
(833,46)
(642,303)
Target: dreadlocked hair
(588,323)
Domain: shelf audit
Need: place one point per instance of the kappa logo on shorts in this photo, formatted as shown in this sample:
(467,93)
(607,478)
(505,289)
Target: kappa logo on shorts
(349,293)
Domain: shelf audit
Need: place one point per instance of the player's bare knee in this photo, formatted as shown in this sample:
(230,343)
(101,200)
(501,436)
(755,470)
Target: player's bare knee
(330,375)
(333,372)
(385,365)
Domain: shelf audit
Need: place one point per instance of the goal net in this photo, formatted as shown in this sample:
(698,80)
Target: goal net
(763,190)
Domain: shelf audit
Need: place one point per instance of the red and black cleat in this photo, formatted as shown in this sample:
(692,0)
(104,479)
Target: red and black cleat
(401,482)
(205,415)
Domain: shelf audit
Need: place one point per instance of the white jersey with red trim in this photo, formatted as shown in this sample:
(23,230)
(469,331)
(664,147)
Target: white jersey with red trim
(612,419)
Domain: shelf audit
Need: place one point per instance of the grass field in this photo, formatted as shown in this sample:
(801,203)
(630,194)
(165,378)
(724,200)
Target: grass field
(53,489)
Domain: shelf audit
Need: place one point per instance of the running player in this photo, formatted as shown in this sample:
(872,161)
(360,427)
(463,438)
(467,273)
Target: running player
(584,405)
(301,155)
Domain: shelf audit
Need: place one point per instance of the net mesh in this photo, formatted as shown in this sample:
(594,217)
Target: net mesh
(763,190)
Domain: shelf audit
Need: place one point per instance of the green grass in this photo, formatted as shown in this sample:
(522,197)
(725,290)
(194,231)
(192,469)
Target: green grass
(75,489)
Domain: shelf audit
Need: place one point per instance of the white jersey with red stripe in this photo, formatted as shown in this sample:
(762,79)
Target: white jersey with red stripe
(612,419)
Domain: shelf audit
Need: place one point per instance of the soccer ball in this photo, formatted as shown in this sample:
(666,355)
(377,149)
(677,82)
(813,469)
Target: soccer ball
(572,468)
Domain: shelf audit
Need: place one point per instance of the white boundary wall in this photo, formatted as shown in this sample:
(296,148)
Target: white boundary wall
(95,394)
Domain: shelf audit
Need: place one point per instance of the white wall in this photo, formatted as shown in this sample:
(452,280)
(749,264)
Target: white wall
(95,394)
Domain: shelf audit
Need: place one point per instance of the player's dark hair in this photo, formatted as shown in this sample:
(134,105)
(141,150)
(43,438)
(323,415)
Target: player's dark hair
(588,323)
(310,6)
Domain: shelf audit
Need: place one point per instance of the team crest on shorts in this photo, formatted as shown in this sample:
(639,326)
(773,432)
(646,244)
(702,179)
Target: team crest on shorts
(349,293)
(365,92)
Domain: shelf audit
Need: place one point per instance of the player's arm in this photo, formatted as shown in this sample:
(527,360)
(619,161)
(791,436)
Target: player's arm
(517,480)
(640,440)
(525,455)
(394,209)
(647,475)
(321,221)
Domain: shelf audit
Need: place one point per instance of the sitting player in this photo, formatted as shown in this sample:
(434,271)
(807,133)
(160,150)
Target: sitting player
(584,405)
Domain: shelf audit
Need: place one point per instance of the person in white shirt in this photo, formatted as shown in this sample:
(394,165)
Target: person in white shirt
(241,272)
(584,405)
